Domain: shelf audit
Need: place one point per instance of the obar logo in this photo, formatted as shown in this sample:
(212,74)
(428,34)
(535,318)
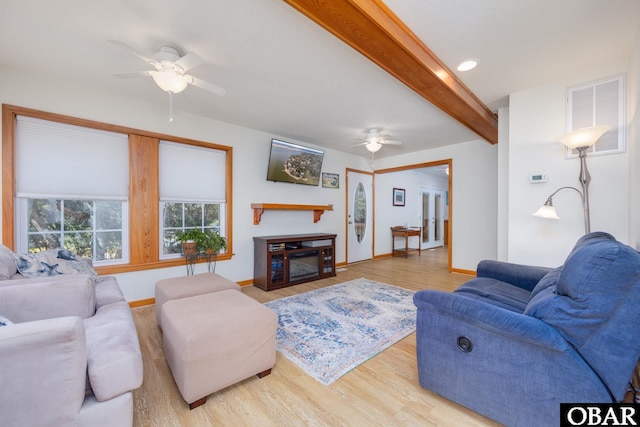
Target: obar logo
(599,414)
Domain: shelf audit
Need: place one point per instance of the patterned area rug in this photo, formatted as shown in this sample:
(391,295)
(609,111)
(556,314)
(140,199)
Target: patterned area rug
(330,331)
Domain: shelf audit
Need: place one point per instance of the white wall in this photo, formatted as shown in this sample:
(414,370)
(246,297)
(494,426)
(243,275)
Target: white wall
(536,118)
(503,184)
(634,147)
(473,197)
(250,156)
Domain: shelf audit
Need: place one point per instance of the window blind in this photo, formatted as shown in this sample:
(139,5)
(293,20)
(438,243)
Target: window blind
(192,173)
(67,161)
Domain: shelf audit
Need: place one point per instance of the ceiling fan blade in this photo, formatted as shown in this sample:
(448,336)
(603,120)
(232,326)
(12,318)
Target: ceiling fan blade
(189,61)
(133,74)
(210,87)
(140,55)
(358,145)
(391,142)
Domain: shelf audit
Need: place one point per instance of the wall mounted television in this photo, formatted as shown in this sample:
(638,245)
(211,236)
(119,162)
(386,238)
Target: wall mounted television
(294,163)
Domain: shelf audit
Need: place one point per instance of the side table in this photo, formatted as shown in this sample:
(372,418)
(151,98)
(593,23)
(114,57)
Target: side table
(405,232)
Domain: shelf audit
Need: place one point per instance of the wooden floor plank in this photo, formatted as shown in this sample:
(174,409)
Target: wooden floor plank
(384,391)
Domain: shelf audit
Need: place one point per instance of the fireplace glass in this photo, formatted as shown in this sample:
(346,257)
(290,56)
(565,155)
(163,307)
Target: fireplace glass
(303,265)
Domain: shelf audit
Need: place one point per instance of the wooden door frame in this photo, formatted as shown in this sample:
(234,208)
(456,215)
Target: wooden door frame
(449,164)
(373,208)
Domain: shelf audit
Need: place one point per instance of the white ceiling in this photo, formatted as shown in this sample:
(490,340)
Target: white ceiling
(287,76)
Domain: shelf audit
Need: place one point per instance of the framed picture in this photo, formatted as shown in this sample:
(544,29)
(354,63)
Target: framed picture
(398,197)
(330,180)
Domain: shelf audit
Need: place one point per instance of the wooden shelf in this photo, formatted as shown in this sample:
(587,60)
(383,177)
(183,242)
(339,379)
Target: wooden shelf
(259,208)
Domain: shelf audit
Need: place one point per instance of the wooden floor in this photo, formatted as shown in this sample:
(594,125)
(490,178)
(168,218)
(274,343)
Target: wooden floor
(384,391)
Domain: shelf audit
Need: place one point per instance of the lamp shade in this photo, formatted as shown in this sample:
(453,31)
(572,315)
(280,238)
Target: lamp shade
(546,211)
(584,137)
(169,81)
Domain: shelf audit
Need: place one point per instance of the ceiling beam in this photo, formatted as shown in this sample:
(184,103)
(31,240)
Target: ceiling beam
(371,28)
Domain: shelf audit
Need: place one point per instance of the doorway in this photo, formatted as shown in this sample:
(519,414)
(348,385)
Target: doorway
(442,202)
(432,201)
(359,216)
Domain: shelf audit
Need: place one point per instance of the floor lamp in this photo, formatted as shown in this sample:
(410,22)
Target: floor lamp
(580,140)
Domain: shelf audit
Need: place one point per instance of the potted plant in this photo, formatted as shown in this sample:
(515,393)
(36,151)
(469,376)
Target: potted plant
(212,242)
(191,240)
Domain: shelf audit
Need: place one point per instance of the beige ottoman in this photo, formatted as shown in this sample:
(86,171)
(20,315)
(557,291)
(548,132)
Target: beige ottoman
(188,286)
(215,340)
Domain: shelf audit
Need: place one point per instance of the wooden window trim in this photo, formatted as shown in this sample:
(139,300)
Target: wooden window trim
(144,215)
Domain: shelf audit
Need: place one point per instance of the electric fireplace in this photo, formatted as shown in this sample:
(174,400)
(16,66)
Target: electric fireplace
(304,265)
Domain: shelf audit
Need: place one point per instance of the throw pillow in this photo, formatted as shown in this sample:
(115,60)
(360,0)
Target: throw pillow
(4,321)
(53,262)
(8,265)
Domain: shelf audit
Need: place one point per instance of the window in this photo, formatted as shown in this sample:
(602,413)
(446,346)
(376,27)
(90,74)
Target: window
(178,216)
(71,190)
(92,229)
(596,104)
(192,192)
(94,188)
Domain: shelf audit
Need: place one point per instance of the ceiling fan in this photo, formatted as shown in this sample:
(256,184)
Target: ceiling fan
(374,141)
(170,68)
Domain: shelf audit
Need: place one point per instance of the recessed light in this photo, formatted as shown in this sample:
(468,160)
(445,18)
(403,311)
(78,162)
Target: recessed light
(467,65)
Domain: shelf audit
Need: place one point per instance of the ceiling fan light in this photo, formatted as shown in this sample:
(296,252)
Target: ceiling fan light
(373,146)
(169,81)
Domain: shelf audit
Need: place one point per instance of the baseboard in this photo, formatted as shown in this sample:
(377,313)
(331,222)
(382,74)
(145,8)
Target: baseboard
(460,271)
(151,301)
(142,302)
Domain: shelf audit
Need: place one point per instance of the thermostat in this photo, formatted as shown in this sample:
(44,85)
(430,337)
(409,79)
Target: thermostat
(537,178)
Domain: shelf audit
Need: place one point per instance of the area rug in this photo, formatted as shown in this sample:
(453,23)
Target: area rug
(330,331)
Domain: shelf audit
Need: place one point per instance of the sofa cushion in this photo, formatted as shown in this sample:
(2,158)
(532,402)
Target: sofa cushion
(39,298)
(549,280)
(114,360)
(594,279)
(522,276)
(43,372)
(545,289)
(108,291)
(8,266)
(53,262)
(496,292)
(594,237)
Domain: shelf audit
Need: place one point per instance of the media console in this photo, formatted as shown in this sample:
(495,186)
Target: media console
(280,261)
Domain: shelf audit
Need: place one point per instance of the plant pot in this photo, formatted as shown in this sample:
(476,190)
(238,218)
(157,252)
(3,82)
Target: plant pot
(189,248)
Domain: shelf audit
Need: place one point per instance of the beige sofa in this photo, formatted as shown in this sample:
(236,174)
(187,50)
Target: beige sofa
(71,356)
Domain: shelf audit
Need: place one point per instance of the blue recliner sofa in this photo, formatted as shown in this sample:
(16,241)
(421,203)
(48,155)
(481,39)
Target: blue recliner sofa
(516,341)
